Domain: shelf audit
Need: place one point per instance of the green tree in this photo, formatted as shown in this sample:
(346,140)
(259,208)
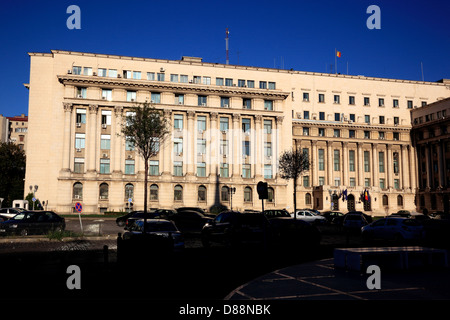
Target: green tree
(146,129)
(291,165)
(12,173)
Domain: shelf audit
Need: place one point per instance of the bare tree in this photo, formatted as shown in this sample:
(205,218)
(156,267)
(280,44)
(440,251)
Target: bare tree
(146,129)
(291,165)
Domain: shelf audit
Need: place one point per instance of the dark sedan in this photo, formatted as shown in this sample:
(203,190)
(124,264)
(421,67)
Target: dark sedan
(190,221)
(32,222)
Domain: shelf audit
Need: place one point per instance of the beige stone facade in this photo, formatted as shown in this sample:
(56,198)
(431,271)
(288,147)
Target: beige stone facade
(229,124)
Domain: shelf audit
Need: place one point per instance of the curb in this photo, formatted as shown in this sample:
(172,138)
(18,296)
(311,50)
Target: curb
(31,239)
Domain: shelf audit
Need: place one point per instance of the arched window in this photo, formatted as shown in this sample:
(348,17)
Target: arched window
(202,193)
(308,199)
(270,195)
(129,191)
(78,190)
(224,193)
(104,191)
(399,201)
(385,200)
(247,194)
(154,194)
(178,193)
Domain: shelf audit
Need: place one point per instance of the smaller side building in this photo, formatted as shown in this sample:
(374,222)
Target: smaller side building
(18,128)
(431,137)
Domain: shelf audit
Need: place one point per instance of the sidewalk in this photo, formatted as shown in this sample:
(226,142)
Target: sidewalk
(320,280)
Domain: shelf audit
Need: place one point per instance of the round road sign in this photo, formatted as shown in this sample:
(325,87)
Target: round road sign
(78,207)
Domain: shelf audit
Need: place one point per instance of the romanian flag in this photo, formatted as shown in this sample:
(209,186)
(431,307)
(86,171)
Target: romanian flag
(338,54)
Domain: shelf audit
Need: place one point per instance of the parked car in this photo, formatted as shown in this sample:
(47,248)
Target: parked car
(333,217)
(309,216)
(163,233)
(393,228)
(189,221)
(197,209)
(401,213)
(289,233)
(366,216)
(440,215)
(32,222)
(353,222)
(10,212)
(3,218)
(233,228)
(276,213)
(122,220)
(137,215)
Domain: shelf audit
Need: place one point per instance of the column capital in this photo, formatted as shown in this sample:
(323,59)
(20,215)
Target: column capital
(280,119)
(93,108)
(190,114)
(118,110)
(213,115)
(236,117)
(258,118)
(68,107)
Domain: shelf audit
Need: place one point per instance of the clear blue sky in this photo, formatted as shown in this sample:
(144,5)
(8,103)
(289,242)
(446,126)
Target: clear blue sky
(284,34)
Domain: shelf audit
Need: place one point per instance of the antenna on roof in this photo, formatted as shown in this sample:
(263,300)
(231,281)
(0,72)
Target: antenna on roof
(226,44)
(421,67)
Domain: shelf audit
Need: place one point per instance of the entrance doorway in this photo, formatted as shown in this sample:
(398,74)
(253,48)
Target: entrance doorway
(334,202)
(351,202)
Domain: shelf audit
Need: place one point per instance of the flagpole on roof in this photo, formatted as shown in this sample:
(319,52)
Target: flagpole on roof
(335,61)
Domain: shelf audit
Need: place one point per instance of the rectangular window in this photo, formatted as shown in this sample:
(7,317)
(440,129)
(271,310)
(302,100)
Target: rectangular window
(155,97)
(246,148)
(131,95)
(173,78)
(184,78)
(178,168)
(102,72)
(201,123)
(366,134)
(241,83)
(380,102)
(366,101)
(224,102)
(367,118)
(306,115)
(161,76)
(129,146)
(224,170)
(351,160)
(272,85)
(246,125)
(178,146)
(321,115)
(337,182)
(201,169)
(352,117)
(112,73)
(397,184)
(337,116)
(352,182)
(179,98)
(337,99)
(351,133)
(321,132)
(395,103)
(268,105)
(87,71)
(105,142)
(336,133)
(104,166)
(150,76)
(229,82)
(201,146)
(76,70)
(337,160)
(224,147)
(351,100)
(306,96)
(367,182)
(382,183)
(127,74)
(224,124)
(321,159)
(268,171)
(396,162)
(178,121)
(81,115)
(321,97)
(268,126)
(410,104)
(396,136)
(246,171)
(250,83)
(268,149)
(321,181)
(396,120)
(381,119)
(78,165)
(197,79)
(207,80)
(129,166)
(381,135)
(381,162)
(202,100)
(80,140)
(305,131)
(263,84)
(154,168)
(366,161)
(219,81)
(107,94)
(306,181)
(247,103)
(106,117)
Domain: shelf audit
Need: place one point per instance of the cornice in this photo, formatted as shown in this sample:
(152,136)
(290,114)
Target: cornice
(170,86)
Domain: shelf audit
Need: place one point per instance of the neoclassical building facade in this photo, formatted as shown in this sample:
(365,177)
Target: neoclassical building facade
(228,126)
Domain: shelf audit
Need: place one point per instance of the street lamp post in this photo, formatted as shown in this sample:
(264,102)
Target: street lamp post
(34,192)
(231,191)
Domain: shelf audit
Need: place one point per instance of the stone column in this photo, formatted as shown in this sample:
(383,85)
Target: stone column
(236,147)
(166,147)
(345,166)
(190,144)
(375,165)
(360,158)
(68,107)
(213,135)
(390,166)
(116,140)
(441,168)
(314,164)
(330,167)
(406,168)
(258,157)
(91,139)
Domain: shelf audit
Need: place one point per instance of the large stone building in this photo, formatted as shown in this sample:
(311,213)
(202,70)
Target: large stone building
(431,138)
(228,124)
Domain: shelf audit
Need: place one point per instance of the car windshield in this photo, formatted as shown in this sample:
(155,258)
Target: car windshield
(19,216)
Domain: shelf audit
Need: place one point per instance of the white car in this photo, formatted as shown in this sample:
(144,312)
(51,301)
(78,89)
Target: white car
(393,228)
(10,212)
(309,216)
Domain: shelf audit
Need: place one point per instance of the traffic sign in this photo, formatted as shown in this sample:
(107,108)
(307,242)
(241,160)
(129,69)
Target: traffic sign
(78,207)
(261,187)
